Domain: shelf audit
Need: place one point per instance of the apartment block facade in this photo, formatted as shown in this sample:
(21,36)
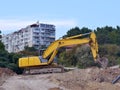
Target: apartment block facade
(35,35)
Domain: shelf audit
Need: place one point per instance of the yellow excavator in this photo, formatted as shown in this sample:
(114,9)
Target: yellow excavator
(46,64)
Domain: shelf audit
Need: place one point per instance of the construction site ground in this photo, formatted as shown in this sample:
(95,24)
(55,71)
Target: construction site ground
(92,78)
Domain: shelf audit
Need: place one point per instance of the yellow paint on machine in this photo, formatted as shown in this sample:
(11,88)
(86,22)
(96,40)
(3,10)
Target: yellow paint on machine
(29,61)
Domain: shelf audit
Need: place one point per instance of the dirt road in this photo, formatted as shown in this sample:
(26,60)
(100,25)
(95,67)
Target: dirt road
(29,82)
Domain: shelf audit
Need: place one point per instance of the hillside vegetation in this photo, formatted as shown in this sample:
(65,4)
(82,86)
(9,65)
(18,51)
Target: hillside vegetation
(80,56)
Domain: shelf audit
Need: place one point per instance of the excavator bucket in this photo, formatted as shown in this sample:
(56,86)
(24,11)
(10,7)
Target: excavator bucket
(103,62)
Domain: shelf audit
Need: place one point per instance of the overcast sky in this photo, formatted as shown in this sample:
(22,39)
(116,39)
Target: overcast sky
(64,14)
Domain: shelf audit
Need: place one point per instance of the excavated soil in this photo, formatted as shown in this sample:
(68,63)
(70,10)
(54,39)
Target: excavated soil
(4,74)
(88,79)
(78,79)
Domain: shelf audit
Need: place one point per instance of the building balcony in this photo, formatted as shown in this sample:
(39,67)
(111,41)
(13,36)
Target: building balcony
(36,30)
(42,31)
(51,36)
(35,42)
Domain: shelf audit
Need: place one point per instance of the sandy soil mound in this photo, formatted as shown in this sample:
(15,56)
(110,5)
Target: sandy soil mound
(88,79)
(4,74)
(6,71)
(78,79)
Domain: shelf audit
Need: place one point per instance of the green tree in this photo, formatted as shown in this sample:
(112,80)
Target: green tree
(29,51)
(2,47)
(108,35)
(76,31)
(108,39)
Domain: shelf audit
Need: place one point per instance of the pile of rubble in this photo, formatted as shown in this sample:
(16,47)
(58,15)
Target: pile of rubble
(6,71)
(4,74)
(88,79)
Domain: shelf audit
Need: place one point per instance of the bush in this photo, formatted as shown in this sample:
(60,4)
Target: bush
(111,51)
(79,56)
(10,60)
(15,68)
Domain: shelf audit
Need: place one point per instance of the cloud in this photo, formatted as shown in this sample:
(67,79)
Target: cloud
(13,25)
(63,23)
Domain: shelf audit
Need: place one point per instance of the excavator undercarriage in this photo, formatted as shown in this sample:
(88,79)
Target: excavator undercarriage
(43,69)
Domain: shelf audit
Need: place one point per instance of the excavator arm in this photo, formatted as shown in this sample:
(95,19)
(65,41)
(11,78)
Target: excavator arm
(74,40)
(52,50)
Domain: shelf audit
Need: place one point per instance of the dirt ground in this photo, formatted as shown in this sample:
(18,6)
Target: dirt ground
(5,73)
(29,82)
(88,79)
(78,79)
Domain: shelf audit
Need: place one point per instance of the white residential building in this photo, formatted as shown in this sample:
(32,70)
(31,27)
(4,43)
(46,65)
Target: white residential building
(34,35)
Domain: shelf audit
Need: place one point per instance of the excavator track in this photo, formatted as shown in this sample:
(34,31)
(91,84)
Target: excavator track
(43,70)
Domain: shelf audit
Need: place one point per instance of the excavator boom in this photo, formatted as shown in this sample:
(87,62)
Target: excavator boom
(73,41)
